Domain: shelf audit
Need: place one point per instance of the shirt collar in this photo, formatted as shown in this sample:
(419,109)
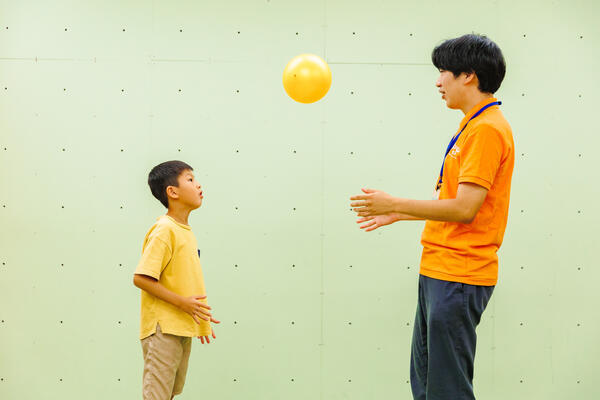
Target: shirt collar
(189,228)
(475,109)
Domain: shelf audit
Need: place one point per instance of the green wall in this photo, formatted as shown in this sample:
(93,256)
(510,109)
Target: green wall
(95,93)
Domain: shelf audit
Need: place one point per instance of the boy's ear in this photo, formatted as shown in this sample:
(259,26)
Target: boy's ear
(172,192)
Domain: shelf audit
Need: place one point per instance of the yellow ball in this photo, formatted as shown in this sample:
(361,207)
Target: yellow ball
(306,78)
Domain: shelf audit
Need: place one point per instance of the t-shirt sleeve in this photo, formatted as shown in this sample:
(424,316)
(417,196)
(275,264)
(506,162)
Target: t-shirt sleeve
(481,157)
(155,257)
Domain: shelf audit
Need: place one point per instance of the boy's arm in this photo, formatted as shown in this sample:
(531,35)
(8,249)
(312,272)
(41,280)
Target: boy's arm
(190,305)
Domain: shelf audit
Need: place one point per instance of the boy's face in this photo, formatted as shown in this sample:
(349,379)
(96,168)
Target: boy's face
(189,191)
(451,88)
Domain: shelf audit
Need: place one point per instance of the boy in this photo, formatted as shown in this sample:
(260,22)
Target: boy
(174,305)
(465,221)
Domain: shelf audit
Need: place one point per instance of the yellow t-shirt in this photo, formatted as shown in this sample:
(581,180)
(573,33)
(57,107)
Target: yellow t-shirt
(170,255)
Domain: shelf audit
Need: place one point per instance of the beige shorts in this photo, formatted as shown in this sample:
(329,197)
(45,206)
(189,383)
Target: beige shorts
(165,364)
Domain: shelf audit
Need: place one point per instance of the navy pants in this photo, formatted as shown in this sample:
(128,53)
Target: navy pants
(444,339)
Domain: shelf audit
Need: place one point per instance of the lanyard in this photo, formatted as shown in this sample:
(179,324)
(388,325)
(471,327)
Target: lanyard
(455,138)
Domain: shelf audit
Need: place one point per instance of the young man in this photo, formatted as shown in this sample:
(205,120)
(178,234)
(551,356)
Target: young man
(174,305)
(465,224)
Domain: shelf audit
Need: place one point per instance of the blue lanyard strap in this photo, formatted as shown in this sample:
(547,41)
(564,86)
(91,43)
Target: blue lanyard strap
(455,138)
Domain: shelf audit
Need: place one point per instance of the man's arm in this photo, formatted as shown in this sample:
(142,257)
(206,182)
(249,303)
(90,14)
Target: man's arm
(386,219)
(377,221)
(463,208)
(190,305)
(405,217)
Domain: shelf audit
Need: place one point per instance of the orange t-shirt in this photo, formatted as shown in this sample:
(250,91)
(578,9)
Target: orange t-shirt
(483,154)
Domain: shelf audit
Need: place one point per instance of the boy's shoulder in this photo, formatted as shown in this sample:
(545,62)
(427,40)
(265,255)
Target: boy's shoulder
(165,222)
(163,228)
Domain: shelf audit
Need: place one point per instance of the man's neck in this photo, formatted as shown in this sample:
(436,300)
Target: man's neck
(473,100)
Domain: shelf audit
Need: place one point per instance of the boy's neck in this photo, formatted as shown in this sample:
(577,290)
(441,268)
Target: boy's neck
(472,100)
(179,215)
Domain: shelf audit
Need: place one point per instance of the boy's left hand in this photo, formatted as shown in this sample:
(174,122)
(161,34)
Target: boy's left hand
(373,202)
(207,338)
(212,333)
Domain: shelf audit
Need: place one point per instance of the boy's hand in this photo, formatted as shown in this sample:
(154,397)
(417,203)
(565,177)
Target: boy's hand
(196,309)
(206,338)
(203,338)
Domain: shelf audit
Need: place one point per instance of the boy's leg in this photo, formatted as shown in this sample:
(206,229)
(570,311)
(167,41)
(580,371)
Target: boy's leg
(162,357)
(418,354)
(453,313)
(186,345)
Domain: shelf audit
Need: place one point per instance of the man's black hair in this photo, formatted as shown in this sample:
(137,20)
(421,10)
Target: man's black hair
(472,53)
(164,175)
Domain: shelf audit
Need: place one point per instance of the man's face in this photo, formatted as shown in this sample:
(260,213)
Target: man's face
(451,88)
(189,190)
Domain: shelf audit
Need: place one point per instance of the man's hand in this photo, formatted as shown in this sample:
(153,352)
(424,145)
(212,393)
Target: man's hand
(195,308)
(373,202)
(377,221)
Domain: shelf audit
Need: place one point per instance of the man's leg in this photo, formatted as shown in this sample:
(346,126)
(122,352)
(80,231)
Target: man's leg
(453,313)
(418,354)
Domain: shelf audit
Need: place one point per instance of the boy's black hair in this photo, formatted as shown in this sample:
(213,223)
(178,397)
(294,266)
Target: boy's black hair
(164,175)
(472,53)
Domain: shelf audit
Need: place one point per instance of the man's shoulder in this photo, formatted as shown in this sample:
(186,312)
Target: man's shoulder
(490,133)
(493,120)
(492,126)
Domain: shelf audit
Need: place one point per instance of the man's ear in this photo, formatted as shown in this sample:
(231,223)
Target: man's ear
(172,192)
(470,77)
